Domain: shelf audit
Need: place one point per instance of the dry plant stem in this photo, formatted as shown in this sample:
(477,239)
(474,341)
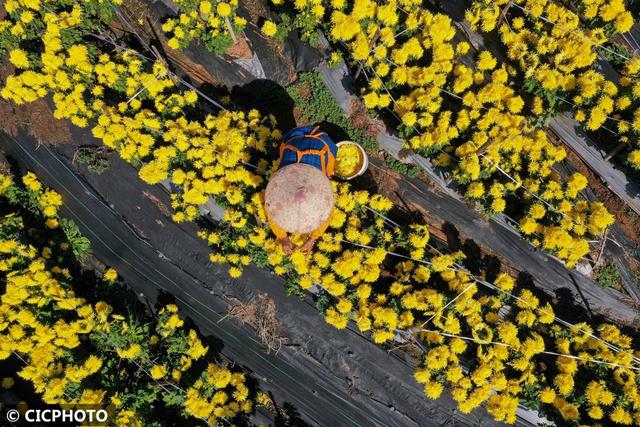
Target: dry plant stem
(260,314)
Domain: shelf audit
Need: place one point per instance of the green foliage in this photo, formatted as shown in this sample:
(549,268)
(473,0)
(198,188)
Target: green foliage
(552,104)
(103,10)
(93,10)
(17,195)
(608,275)
(409,170)
(306,23)
(219,44)
(10,225)
(317,105)
(95,158)
(283,27)
(530,396)
(293,288)
(193,23)
(259,258)
(323,301)
(80,245)
(617,59)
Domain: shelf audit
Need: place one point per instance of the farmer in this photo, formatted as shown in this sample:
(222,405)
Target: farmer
(299,196)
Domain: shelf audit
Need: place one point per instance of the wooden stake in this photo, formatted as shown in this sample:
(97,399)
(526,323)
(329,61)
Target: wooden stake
(604,243)
(230,28)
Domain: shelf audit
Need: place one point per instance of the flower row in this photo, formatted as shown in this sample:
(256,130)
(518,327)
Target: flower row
(77,351)
(508,340)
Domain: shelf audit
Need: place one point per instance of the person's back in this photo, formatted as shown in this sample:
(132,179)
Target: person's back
(309,145)
(298,199)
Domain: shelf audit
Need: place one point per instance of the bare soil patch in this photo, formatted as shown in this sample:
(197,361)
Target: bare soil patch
(158,203)
(297,116)
(148,27)
(362,120)
(5,167)
(35,117)
(240,48)
(256,9)
(385,179)
(304,90)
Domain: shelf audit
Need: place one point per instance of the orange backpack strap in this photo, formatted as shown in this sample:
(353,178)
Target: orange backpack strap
(328,166)
(327,163)
(331,163)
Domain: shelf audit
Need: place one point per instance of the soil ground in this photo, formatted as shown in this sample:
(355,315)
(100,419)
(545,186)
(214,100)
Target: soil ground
(36,117)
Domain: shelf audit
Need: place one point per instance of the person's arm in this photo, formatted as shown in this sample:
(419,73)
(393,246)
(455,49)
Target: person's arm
(315,234)
(281,234)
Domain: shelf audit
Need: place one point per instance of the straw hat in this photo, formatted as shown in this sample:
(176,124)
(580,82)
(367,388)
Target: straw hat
(299,198)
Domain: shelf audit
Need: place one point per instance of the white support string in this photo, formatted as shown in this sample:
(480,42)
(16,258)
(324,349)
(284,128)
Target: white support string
(502,171)
(400,255)
(441,310)
(169,72)
(566,101)
(551,353)
(490,285)
(578,33)
(498,289)
(162,385)
(64,393)
(144,86)
(635,42)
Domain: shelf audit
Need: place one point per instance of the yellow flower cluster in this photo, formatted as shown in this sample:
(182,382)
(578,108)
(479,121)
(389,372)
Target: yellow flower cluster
(213,151)
(348,161)
(217,395)
(506,340)
(110,275)
(603,17)
(627,109)
(73,74)
(207,20)
(556,47)
(38,197)
(147,126)
(66,341)
(492,150)
(269,28)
